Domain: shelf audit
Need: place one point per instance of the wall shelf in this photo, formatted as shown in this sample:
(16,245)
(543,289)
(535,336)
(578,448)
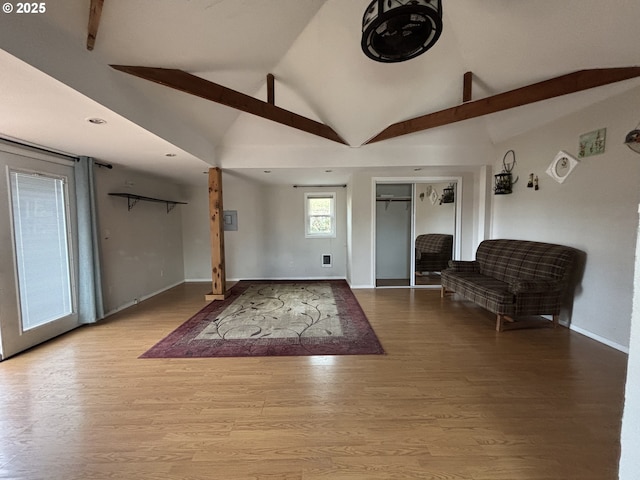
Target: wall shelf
(132,199)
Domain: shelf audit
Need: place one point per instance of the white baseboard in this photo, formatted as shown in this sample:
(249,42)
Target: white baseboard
(600,339)
(356,287)
(141,299)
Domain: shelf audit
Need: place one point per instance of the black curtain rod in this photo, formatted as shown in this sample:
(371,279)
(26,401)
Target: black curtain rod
(320,186)
(105,165)
(49,151)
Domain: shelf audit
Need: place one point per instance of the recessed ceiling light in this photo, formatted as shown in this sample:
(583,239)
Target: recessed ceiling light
(96,121)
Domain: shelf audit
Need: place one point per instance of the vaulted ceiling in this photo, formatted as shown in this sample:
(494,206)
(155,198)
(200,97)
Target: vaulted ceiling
(50,82)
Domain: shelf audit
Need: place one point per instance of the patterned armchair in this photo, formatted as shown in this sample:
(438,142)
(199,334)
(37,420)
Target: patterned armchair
(433,252)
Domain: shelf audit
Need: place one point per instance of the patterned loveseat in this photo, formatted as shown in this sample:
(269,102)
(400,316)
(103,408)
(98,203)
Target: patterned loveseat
(433,252)
(513,278)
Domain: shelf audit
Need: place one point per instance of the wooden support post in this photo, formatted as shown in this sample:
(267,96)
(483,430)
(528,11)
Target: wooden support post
(467,87)
(219,284)
(271,93)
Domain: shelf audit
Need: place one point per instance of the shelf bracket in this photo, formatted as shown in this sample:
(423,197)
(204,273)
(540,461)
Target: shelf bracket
(131,201)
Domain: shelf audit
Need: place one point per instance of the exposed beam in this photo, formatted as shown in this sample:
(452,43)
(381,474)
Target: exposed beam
(271,91)
(555,87)
(95,12)
(467,87)
(185,82)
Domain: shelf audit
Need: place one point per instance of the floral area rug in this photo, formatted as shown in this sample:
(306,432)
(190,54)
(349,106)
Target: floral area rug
(263,318)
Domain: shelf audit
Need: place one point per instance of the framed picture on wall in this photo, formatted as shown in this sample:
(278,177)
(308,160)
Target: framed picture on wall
(433,196)
(592,143)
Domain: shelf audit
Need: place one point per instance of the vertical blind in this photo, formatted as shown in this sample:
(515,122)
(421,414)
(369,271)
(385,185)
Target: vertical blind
(42,247)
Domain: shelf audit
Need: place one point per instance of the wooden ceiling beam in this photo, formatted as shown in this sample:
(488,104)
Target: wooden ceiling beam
(271,89)
(191,84)
(555,87)
(467,87)
(95,12)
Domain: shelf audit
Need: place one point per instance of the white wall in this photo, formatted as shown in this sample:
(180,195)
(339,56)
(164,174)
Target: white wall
(630,436)
(434,218)
(594,210)
(270,241)
(243,248)
(141,249)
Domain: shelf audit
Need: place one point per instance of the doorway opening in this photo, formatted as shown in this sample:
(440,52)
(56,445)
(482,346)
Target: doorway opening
(417,225)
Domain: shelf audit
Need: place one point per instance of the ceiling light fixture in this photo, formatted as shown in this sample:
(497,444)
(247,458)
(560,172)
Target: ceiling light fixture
(399,30)
(632,140)
(96,121)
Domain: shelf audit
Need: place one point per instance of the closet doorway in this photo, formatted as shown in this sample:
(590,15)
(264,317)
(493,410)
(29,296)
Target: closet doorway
(413,219)
(394,207)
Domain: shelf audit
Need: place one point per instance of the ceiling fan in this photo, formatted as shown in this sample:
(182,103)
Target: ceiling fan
(399,30)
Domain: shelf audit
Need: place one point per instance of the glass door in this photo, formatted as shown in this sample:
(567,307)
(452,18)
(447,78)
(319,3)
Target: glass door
(37,271)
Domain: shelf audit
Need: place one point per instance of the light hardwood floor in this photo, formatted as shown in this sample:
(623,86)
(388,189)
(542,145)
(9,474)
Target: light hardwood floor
(451,400)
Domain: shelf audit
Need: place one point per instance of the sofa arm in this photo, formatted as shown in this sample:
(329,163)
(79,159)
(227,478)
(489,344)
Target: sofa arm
(533,286)
(464,266)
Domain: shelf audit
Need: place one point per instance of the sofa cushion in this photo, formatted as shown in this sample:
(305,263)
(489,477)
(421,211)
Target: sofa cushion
(534,286)
(464,266)
(488,292)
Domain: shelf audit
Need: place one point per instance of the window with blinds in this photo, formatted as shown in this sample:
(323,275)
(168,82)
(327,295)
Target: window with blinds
(320,214)
(39,214)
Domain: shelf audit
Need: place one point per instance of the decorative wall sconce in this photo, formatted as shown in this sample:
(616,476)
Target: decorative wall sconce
(504,181)
(632,140)
(448,194)
(399,30)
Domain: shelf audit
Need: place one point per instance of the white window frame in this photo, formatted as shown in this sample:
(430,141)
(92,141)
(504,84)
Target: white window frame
(307,215)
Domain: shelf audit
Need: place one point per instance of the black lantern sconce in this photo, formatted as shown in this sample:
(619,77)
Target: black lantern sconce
(504,181)
(399,30)
(448,194)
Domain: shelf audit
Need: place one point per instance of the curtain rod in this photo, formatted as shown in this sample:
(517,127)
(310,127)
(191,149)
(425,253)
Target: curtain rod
(50,151)
(320,186)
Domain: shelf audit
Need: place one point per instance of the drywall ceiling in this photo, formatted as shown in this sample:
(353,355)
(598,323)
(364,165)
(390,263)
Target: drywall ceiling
(50,83)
